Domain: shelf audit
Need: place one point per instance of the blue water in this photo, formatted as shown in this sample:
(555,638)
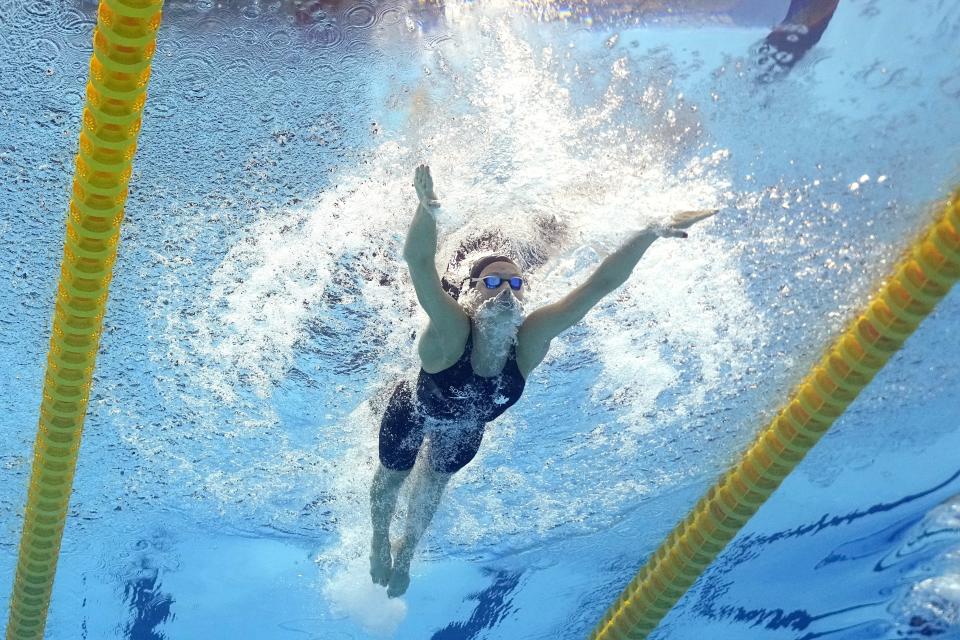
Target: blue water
(260,310)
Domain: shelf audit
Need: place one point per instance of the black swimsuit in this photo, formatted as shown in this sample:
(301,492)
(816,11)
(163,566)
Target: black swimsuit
(453,405)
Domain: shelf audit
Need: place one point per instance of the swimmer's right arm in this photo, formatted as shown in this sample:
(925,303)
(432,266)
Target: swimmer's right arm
(421,244)
(447,319)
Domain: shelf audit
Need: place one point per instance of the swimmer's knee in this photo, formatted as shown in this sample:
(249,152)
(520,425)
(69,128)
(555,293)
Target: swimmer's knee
(396,472)
(449,467)
(440,477)
(391,477)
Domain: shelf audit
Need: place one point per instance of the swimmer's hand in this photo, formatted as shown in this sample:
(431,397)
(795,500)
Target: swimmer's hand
(674,227)
(423,183)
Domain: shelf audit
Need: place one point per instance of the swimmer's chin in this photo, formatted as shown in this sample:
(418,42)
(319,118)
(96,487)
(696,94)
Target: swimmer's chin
(499,306)
(500,309)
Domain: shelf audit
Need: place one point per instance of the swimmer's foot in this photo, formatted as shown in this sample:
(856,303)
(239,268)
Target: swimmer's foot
(380,564)
(400,576)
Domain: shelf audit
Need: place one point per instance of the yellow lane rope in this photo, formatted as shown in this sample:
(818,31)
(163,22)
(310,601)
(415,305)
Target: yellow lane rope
(919,282)
(123,44)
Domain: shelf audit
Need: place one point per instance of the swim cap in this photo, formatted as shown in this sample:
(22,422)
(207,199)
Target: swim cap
(485,261)
(475,270)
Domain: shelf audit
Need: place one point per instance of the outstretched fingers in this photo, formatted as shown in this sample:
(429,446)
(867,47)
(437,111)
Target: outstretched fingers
(423,183)
(418,177)
(687,219)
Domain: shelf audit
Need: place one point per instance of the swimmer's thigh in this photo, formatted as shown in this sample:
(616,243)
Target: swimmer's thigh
(401,430)
(451,450)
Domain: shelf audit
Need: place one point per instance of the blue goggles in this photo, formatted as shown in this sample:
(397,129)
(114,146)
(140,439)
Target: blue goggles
(494,282)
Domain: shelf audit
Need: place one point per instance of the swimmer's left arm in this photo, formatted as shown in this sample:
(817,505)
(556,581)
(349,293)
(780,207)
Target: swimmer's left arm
(617,267)
(551,320)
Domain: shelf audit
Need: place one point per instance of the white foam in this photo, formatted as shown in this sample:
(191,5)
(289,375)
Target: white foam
(351,592)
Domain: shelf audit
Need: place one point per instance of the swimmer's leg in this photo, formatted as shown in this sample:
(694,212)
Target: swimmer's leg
(401,433)
(428,486)
(803,27)
(383,502)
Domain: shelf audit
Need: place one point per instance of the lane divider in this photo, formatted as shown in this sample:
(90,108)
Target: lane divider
(919,281)
(124,41)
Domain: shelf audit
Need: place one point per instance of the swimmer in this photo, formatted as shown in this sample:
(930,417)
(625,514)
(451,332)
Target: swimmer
(476,354)
(800,30)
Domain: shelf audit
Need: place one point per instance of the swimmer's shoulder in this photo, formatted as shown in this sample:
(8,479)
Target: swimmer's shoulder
(532,348)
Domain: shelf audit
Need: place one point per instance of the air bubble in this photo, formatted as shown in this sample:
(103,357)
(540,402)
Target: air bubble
(39,8)
(389,17)
(72,21)
(195,75)
(361,17)
(280,39)
(325,36)
(44,50)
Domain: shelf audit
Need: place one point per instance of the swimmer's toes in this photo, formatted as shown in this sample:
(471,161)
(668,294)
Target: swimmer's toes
(399,581)
(381,576)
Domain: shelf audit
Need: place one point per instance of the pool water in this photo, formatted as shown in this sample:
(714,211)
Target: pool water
(260,310)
